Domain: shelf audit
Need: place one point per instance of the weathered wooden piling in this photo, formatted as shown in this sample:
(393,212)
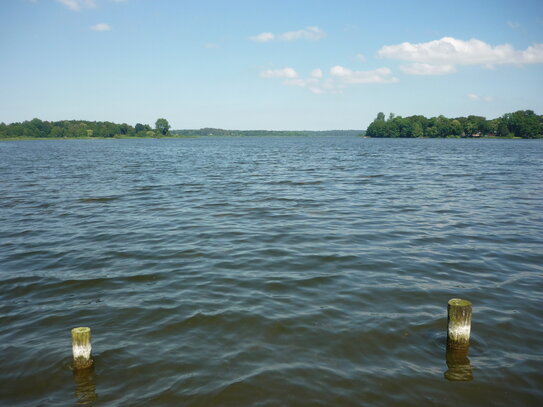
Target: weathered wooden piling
(81,347)
(458,323)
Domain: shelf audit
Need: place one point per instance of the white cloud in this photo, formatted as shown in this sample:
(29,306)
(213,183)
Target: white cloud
(313,84)
(263,37)
(101,27)
(361,57)
(449,51)
(76,5)
(338,79)
(211,45)
(479,98)
(316,73)
(310,33)
(279,73)
(419,68)
(379,75)
(513,24)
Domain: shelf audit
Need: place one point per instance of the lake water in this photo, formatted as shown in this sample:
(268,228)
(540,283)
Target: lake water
(305,271)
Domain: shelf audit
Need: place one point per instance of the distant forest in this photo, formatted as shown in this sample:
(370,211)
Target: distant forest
(39,129)
(262,133)
(523,124)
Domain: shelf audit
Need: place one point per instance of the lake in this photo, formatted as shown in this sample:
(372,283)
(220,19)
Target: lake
(275,271)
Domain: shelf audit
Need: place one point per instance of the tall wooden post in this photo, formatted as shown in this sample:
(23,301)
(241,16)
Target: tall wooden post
(458,323)
(81,347)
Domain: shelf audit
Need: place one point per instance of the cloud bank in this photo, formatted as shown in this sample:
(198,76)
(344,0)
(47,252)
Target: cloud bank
(338,78)
(439,57)
(420,68)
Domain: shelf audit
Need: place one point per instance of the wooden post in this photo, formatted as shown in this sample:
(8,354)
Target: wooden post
(458,323)
(81,347)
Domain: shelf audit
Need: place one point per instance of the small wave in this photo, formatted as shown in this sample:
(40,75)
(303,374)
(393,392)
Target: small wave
(100,199)
(290,182)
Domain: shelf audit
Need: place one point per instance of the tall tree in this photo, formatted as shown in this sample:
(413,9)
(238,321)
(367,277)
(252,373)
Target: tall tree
(162,127)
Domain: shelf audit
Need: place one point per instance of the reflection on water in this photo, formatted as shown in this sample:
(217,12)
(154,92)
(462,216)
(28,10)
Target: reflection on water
(460,369)
(85,387)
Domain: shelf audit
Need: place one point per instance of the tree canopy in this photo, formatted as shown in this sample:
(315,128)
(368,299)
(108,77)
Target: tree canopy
(162,127)
(37,128)
(523,123)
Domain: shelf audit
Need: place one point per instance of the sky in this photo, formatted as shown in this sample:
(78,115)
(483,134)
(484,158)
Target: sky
(276,65)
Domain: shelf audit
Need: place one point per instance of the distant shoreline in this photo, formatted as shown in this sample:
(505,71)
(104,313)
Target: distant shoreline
(89,138)
(242,136)
(37,129)
(520,124)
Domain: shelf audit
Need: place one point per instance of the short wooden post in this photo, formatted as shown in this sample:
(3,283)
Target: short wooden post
(458,323)
(81,347)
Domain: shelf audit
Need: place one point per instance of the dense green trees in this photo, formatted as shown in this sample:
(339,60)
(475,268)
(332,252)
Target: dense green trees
(162,127)
(37,128)
(523,123)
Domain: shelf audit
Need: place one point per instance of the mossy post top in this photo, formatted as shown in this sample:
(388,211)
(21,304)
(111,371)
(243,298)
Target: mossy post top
(457,302)
(82,330)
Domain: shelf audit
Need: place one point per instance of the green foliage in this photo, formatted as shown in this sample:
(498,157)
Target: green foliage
(503,129)
(37,128)
(523,123)
(162,127)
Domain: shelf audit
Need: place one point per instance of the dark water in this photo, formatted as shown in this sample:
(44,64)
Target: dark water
(270,271)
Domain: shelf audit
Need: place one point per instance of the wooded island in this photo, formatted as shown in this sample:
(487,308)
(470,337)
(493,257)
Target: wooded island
(522,124)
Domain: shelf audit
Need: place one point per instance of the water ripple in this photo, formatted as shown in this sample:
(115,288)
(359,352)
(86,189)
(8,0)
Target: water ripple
(270,271)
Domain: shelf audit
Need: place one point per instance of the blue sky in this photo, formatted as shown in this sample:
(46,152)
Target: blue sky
(268,64)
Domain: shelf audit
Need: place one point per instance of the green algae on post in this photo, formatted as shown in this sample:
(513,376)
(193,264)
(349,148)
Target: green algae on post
(458,323)
(81,347)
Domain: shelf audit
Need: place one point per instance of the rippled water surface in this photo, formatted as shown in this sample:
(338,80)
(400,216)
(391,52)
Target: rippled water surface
(270,271)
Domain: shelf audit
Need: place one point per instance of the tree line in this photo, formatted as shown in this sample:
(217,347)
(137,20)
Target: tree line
(208,131)
(522,123)
(37,128)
